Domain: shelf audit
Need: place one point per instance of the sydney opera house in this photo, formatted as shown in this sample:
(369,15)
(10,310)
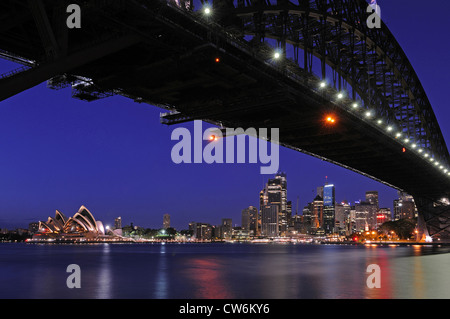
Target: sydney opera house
(81,227)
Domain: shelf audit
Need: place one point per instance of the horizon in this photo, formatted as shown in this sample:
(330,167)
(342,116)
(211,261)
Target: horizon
(113,155)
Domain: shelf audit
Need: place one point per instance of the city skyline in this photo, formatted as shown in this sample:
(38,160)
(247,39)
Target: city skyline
(59,152)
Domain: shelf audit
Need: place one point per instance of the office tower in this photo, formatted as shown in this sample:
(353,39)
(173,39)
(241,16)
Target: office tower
(269,220)
(277,195)
(328,208)
(365,216)
(404,207)
(263,201)
(307,212)
(316,214)
(250,219)
(342,218)
(200,231)
(372,197)
(320,191)
(166,221)
(227,227)
(118,223)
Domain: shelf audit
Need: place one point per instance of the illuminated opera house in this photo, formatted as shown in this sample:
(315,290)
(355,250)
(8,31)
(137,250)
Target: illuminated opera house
(81,227)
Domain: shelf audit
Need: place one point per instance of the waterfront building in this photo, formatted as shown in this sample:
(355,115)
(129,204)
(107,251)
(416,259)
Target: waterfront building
(342,218)
(365,216)
(404,207)
(372,197)
(118,223)
(82,226)
(227,228)
(329,202)
(166,221)
(269,220)
(317,213)
(250,219)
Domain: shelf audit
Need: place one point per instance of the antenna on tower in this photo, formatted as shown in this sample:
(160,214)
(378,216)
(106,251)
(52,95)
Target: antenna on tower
(296,210)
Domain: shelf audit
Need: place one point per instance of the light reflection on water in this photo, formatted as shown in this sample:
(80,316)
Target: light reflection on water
(223,271)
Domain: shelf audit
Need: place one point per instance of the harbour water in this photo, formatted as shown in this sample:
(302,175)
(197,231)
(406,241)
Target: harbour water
(225,270)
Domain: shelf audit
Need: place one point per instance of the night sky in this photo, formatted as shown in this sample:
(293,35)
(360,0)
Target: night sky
(113,155)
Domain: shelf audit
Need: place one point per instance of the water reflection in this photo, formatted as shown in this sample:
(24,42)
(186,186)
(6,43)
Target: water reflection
(223,271)
(161,280)
(105,280)
(205,275)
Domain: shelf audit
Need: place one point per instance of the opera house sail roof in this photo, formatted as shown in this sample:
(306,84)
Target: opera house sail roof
(82,225)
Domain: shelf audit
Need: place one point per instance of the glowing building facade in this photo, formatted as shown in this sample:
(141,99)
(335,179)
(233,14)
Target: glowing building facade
(81,226)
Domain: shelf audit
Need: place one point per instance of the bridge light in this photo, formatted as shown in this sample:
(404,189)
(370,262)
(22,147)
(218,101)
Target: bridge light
(413,145)
(340,95)
(355,105)
(380,121)
(330,119)
(389,128)
(431,159)
(441,167)
(207,11)
(420,150)
(406,140)
(398,135)
(368,114)
(323,84)
(445,170)
(426,155)
(436,163)
(404,150)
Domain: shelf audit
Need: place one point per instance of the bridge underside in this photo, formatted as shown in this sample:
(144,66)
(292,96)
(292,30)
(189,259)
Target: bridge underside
(203,73)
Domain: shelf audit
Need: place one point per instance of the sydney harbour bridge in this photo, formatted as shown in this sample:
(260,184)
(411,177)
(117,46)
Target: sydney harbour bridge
(337,88)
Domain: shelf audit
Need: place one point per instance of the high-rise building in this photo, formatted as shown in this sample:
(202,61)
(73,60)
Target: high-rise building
(269,220)
(166,221)
(404,207)
(307,213)
(227,227)
(372,197)
(365,216)
(200,231)
(250,219)
(328,208)
(277,195)
(118,223)
(316,214)
(342,218)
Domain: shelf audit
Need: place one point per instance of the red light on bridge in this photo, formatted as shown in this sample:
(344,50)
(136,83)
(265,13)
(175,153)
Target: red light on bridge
(330,119)
(217,60)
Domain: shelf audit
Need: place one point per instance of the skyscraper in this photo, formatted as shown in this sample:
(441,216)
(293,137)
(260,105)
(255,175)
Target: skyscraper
(328,208)
(342,218)
(250,219)
(166,221)
(277,195)
(269,220)
(227,227)
(404,207)
(365,216)
(372,197)
(316,214)
(118,223)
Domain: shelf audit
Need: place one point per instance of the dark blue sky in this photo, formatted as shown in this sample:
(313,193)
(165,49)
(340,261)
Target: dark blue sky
(113,155)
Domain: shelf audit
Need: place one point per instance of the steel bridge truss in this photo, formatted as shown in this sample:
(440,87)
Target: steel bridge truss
(367,62)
